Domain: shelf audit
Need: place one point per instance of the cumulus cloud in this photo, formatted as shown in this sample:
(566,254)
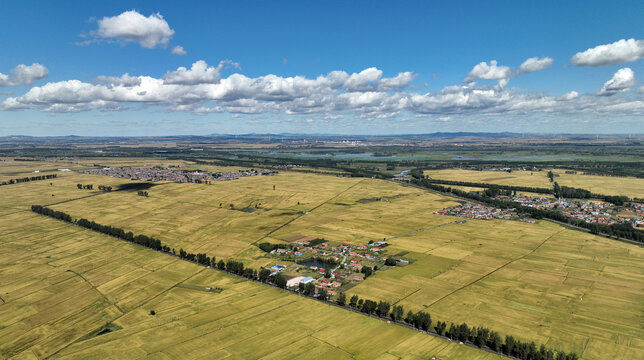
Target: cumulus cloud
(535,64)
(622,80)
(491,71)
(365,94)
(399,81)
(124,80)
(569,96)
(199,73)
(619,52)
(24,75)
(130,26)
(178,50)
(503,74)
(640,90)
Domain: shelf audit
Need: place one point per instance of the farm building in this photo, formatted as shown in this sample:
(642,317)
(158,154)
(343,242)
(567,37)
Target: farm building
(294,281)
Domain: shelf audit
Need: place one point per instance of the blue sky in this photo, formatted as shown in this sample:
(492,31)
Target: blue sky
(400,67)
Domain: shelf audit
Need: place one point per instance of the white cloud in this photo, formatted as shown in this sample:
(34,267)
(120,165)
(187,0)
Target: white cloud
(24,75)
(199,73)
(362,80)
(130,26)
(618,52)
(503,74)
(569,96)
(535,64)
(366,94)
(640,90)
(491,71)
(399,81)
(622,80)
(123,80)
(178,50)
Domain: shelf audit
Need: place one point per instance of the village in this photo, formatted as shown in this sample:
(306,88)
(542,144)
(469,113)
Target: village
(590,211)
(180,176)
(481,212)
(328,266)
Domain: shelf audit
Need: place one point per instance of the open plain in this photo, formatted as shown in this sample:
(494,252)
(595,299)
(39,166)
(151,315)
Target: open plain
(539,282)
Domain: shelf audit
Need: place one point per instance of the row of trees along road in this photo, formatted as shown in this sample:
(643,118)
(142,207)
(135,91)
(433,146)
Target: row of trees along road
(28,179)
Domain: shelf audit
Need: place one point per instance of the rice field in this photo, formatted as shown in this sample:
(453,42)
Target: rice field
(564,288)
(560,287)
(607,185)
(61,284)
(516,178)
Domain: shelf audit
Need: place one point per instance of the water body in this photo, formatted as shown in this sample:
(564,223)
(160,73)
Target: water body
(343,156)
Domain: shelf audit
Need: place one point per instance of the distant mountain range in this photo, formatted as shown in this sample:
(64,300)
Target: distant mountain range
(307,137)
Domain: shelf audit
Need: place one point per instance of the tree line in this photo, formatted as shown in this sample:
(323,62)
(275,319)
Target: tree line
(59,215)
(29,178)
(559,191)
(486,185)
(91,187)
(480,336)
(576,193)
(625,231)
(119,233)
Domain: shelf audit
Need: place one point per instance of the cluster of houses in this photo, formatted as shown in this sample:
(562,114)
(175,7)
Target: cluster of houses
(540,202)
(329,266)
(637,211)
(474,211)
(165,174)
(589,211)
(598,212)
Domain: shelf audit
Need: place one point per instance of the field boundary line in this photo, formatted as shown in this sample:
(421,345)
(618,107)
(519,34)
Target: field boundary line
(328,343)
(223,327)
(493,271)
(307,212)
(96,289)
(127,312)
(404,297)
(78,198)
(424,229)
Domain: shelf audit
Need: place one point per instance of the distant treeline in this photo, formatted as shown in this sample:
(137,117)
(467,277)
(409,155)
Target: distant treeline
(575,193)
(558,191)
(625,231)
(30,178)
(487,185)
(481,337)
